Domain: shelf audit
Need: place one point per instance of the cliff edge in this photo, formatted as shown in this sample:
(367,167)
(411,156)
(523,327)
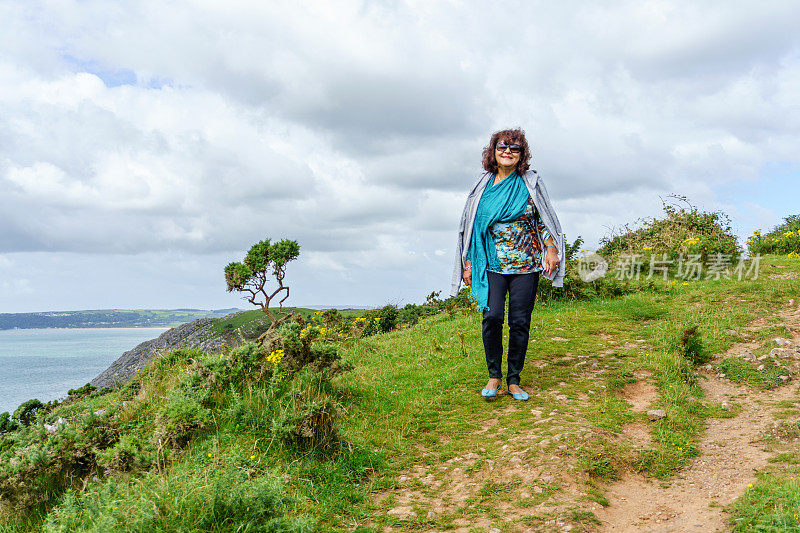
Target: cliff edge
(197,334)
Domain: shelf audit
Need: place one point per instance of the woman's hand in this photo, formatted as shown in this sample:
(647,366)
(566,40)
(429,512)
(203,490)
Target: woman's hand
(466,274)
(551,260)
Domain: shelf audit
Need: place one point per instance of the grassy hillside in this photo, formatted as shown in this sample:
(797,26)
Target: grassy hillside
(243,441)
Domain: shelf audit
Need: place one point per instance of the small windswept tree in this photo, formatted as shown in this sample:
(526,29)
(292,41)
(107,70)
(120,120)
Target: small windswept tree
(252,276)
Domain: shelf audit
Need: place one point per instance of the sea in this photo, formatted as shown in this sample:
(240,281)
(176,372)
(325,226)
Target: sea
(46,363)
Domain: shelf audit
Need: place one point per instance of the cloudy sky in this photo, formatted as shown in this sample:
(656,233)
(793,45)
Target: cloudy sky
(145,144)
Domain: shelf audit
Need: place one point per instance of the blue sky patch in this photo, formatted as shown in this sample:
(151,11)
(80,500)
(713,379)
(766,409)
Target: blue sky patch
(111,77)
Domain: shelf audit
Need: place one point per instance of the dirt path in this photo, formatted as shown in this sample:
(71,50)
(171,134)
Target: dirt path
(522,474)
(730,454)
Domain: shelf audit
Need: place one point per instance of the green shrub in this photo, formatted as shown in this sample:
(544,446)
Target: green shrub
(463,300)
(37,466)
(307,416)
(300,349)
(692,348)
(683,230)
(129,454)
(7,424)
(387,316)
(285,397)
(81,391)
(182,416)
(608,286)
(26,412)
(784,239)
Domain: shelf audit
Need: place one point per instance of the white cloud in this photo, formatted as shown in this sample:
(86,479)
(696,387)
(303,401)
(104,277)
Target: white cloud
(195,127)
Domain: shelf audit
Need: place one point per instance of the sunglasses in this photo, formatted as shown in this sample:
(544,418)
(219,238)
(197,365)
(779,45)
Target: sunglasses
(515,148)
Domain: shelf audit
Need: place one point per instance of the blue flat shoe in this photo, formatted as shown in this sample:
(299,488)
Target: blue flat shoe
(491,393)
(522,396)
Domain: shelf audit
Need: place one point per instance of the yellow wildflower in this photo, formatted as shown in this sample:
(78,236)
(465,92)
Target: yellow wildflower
(275,357)
(648,247)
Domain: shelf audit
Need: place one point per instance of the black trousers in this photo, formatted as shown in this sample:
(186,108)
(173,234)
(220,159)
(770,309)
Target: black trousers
(521,289)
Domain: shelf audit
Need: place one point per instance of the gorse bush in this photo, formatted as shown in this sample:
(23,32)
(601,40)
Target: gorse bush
(296,408)
(7,424)
(692,348)
(782,240)
(26,412)
(81,391)
(684,230)
(574,288)
(388,316)
(37,465)
(300,348)
(279,390)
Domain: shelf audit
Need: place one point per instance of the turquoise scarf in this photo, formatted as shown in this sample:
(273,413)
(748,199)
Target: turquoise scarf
(503,202)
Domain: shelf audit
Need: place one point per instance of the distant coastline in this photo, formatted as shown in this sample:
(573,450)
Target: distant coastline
(108,318)
(124,318)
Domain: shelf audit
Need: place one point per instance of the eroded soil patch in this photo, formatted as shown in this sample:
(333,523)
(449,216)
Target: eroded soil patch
(523,472)
(730,453)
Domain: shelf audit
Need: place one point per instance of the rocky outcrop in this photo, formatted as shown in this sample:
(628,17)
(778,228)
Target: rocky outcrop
(197,334)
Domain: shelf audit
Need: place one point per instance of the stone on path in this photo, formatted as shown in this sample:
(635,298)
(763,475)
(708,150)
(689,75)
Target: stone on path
(656,414)
(404,512)
(784,353)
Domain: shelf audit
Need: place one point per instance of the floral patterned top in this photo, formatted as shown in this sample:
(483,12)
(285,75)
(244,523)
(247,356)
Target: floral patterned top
(519,242)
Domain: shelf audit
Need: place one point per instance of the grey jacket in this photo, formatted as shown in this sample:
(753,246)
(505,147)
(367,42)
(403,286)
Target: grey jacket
(541,200)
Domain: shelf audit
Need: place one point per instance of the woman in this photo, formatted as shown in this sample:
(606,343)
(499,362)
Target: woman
(509,233)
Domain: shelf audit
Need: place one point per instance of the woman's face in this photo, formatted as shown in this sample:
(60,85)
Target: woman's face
(507,153)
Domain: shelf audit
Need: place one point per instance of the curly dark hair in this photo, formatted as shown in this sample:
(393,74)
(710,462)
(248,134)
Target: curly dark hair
(516,136)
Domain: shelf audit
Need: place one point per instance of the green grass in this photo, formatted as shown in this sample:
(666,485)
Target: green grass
(411,407)
(740,371)
(772,504)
